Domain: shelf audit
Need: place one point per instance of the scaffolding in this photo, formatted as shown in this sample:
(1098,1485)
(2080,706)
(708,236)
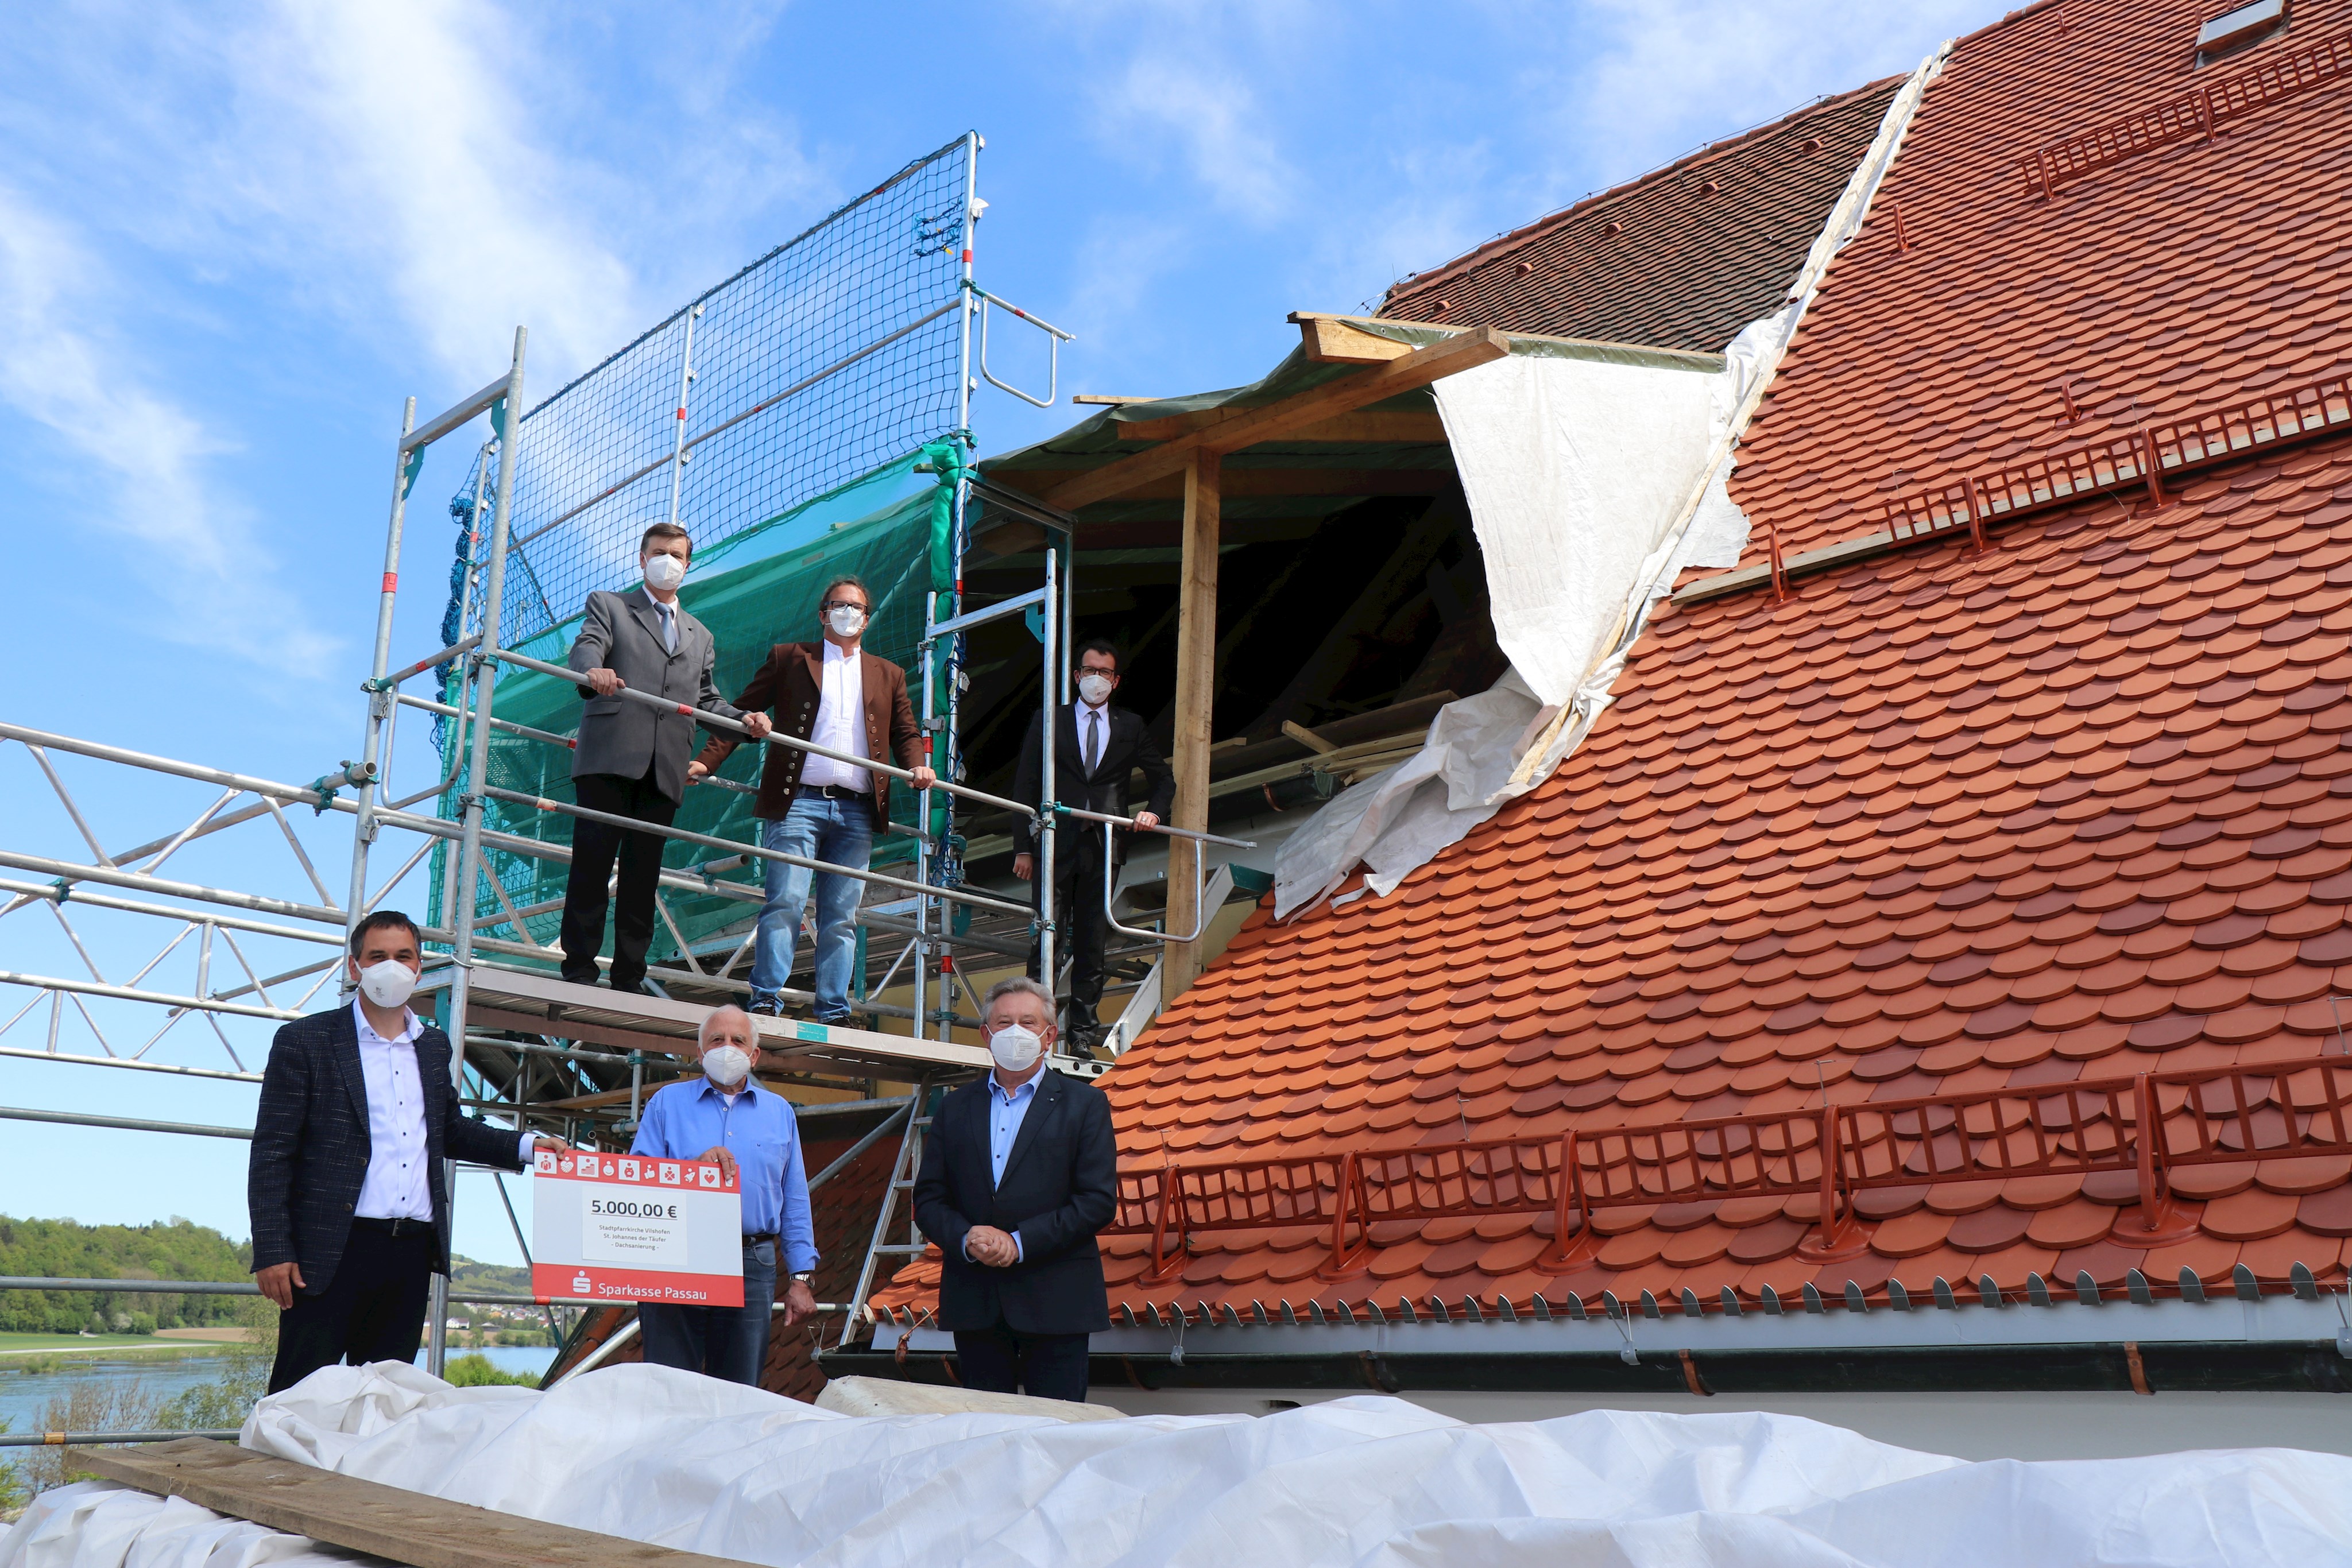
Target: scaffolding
(822,394)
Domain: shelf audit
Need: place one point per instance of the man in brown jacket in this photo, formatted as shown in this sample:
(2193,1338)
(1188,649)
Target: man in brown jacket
(831,695)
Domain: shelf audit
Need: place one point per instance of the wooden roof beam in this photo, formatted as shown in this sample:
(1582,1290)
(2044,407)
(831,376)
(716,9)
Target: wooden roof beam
(1262,482)
(1273,422)
(1387,428)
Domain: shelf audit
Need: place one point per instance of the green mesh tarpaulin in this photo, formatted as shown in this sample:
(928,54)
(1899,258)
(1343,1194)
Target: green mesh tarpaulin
(758,589)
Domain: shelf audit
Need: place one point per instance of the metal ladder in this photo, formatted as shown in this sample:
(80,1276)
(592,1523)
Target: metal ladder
(902,1179)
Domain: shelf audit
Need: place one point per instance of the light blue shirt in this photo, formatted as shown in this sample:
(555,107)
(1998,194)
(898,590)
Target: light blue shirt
(1006,1112)
(759,1129)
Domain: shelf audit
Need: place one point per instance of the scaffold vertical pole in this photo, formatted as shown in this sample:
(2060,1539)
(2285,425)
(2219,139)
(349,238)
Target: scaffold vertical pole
(405,467)
(1048,827)
(506,418)
(684,390)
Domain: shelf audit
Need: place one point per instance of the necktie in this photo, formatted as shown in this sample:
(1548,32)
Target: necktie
(1094,739)
(669,628)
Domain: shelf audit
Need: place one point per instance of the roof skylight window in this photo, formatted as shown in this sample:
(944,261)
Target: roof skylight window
(2241,29)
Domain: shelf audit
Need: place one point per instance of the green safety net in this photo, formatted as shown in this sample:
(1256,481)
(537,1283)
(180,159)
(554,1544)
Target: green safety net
(892,528)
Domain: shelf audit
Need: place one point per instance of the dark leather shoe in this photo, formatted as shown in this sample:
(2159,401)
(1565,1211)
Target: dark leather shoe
(767,1007)
(634,988)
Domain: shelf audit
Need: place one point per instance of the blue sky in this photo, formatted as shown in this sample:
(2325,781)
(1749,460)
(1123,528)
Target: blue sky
(234,237)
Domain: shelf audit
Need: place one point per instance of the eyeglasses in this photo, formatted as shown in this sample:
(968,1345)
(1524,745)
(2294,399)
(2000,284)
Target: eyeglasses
(830,605)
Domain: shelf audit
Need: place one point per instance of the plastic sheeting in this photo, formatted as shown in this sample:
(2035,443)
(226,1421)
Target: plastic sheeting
(666,1458)
(1575,471)
(1402,817)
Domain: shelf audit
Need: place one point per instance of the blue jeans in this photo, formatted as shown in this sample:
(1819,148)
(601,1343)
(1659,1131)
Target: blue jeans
(726,1343)
(838,832)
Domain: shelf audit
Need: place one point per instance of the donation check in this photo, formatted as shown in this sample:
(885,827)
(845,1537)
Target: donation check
(623,1227)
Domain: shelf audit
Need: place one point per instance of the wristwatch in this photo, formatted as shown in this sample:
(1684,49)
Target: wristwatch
(803,1277)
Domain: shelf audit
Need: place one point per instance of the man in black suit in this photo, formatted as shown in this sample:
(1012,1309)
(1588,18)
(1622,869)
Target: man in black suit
(350,1217)
(1097,747)
(1019,1172)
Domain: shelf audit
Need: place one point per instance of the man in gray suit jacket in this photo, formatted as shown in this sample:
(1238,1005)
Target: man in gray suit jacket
(631,757)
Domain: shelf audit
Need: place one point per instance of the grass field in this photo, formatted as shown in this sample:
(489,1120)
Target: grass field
(113,1346)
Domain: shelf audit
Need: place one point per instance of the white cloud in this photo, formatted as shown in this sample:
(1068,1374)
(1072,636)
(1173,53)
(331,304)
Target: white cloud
(1662,74)
(1207,109)
(61,369)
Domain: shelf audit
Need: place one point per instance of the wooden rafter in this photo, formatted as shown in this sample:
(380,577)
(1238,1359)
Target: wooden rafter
(1276,421)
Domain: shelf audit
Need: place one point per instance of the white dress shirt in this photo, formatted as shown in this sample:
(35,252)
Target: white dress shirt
(1087,713)
(840,721)
(396,1187)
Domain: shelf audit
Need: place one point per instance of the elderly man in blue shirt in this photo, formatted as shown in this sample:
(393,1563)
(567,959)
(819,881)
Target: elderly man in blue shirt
(726,1118)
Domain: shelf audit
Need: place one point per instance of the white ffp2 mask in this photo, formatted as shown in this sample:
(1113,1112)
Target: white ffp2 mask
(726,1065)
(388,984)
(1096,689)
(664,572)
(1015,1049)
(845,622)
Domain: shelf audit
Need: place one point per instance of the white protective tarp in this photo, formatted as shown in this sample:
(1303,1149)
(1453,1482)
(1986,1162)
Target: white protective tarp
(677,1460)
(1578,472)
(1575,471)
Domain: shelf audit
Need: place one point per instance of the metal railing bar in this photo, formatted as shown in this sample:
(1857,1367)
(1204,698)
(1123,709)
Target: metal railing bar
(610,819)
(455,650)
(775,737)
(981,617)
(441,425)
(450,710)
(1132,825)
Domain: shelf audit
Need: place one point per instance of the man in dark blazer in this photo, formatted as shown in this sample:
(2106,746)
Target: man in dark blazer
(833,694)
(1097,747)
(350,1216)
(1019,1172)
(630,759)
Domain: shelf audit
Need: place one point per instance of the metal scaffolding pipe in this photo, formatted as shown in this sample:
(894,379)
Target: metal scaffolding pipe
(127,994)
(123,1124)
(295,793)
(143,882)
(132,1062)
(94,1439)
(62,894)
(245,1288)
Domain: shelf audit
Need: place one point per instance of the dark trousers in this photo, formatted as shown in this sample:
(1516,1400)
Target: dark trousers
(1081,925)
(727,1343)
(1046,1365)
(373,1309)
(593,845)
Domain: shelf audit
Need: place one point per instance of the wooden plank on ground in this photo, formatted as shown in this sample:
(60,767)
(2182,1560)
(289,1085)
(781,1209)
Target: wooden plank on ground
(367,1516)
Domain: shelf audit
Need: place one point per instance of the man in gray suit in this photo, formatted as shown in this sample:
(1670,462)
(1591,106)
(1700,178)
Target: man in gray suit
(631,757)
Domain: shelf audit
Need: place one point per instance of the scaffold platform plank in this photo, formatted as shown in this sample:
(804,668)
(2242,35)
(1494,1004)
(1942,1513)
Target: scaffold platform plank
(541,1004)
(368,1516)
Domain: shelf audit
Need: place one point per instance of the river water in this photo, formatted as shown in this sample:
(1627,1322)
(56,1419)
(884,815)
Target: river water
(23,1395)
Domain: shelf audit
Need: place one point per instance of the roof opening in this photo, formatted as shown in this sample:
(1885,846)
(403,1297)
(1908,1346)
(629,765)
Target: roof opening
(2240,28)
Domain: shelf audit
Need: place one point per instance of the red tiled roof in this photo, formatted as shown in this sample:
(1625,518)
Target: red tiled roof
(1941,825)
(2180,278)
(1683,258)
